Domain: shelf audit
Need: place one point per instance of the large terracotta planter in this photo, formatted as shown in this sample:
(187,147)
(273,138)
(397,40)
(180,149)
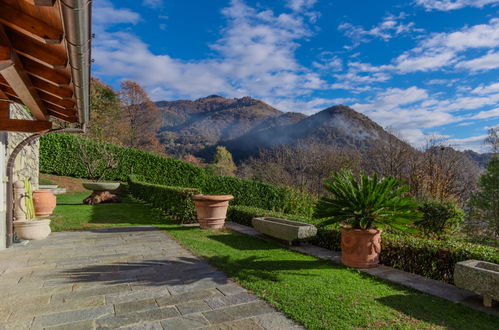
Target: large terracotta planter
(44,202)
(360,248)
(32,229)
(211,210)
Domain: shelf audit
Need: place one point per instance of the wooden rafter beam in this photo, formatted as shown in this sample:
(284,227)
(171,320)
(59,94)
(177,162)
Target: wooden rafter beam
(29,25)
(46,3)
(13,72)
(66,104)
(55,77)
(59,92)
(28,126)
(52,56)
(4,107)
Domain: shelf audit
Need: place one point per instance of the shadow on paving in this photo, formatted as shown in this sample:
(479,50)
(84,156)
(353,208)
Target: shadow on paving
(154,272)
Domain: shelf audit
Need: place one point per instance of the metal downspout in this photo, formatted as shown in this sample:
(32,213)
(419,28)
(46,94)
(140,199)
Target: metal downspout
(10,175)
(76,16)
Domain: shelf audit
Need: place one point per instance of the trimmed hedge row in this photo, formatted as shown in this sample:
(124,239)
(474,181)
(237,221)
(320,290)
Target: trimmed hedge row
(244,214)
(430,258)
(174,201)
(57,156)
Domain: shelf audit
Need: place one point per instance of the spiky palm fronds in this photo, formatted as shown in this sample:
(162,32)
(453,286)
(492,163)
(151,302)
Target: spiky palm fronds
(368,202)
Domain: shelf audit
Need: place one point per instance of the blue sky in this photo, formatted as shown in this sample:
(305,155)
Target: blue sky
(419,67)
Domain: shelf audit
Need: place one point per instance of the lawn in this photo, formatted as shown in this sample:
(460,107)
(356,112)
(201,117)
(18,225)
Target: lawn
(316,293)
(72,214)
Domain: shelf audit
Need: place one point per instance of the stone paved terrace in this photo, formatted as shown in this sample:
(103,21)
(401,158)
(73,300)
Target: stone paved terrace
(128,277)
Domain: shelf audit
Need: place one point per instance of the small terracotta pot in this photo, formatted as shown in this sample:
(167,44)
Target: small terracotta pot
(360,248)
(211,210)
(44,202)
(32,229)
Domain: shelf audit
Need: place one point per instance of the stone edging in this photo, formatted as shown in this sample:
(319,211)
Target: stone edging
(416,282)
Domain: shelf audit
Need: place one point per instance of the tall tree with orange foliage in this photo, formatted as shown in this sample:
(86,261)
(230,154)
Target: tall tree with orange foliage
(141,118)
(105,114)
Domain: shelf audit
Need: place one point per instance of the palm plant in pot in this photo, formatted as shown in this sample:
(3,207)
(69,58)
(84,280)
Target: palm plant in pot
(364,207)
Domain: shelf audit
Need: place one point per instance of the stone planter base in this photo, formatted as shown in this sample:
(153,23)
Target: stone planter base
(101,192)
(211,210)
(360,248)
(32,229)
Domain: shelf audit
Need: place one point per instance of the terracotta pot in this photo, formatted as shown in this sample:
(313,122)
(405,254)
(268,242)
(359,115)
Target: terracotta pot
(32,229)
(211,210)
(44,202)
(360,248)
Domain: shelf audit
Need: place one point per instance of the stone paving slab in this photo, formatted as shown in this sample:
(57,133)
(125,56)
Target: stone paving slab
(126,278)
(417,282)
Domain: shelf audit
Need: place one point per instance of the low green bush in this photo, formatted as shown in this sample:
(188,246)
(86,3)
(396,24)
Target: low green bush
(439,218)
(174,201)
(430,258)
(435,259)
(260,195)
(244,214)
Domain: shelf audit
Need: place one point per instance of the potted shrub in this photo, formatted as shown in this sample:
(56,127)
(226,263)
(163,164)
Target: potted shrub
(364,207)
(28,226)
(211,210)
(98,163)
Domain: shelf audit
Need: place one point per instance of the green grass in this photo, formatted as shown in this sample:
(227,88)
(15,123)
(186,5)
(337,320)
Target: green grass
(316,293)
(72,214)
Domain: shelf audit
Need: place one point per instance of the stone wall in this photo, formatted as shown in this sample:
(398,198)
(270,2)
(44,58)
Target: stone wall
(27,162)
(26,166)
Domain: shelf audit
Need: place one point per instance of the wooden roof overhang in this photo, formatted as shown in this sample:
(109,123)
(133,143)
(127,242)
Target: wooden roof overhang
(44,61)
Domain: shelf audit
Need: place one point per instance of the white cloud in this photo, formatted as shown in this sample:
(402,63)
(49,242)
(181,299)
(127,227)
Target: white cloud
(492,88)
(475,143)
(406,63)
(486,62)
(153,3)
(255,56)
(446,5)
(300,5)
(387,29)
(487,114)
(105,14)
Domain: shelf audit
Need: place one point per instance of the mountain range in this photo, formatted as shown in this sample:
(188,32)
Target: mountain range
(246,126)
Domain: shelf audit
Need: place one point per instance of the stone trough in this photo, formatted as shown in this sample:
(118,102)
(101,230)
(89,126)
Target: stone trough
(479,277)
(284,229)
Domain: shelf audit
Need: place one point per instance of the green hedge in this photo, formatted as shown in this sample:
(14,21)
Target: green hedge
(430,258)
(174,201)
(58,156)
(260,195)
(244,214)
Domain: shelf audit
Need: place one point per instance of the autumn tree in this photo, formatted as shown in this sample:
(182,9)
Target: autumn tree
(223,163)
(303,166)
(105,114)
(141,118)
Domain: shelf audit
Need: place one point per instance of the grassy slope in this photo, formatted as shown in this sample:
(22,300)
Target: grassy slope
(316,293)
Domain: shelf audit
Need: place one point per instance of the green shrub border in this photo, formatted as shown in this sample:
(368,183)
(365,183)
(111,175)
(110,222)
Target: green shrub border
(430,258)
(174,201)
(57,156)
